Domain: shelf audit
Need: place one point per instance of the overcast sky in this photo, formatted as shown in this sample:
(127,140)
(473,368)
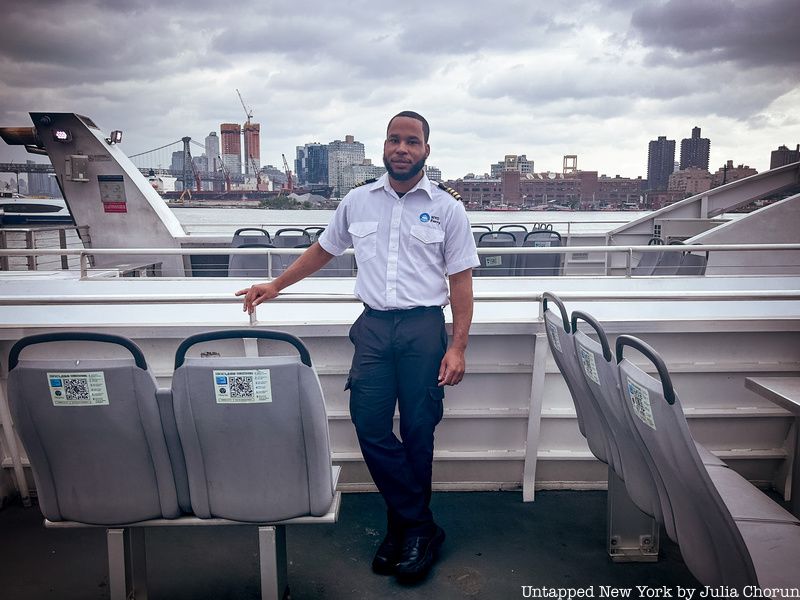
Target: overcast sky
(597,78)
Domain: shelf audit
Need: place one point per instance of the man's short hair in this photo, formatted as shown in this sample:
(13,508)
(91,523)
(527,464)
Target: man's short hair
(426,129)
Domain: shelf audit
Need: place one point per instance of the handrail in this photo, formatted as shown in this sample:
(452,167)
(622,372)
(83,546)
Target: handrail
(683,295)
(509,249)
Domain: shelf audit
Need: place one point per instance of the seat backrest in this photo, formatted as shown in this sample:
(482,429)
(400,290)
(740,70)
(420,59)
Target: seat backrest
(478,231)
(92,431)
(499,264)
(710,542)
(518,230)
(668,262)
(562,348)
(648,260)
(692,264)
(254,432)
(338,266)
(252,265)
(540,265)
(250,235)
(600,374)
(291,237)
(281,262)
(314,232)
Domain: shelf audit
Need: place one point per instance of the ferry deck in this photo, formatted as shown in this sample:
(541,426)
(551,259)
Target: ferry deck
(518,490)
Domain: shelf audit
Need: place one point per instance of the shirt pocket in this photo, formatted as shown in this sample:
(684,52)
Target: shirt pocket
(365,239)
(425,244)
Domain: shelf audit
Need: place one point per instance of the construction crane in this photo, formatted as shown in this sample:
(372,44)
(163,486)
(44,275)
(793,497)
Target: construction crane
(225,173)
(289,182)
(249,113)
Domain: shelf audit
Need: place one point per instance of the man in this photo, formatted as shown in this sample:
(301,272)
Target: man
(407,233)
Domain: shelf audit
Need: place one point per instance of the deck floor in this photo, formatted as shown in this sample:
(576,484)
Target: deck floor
(495,545)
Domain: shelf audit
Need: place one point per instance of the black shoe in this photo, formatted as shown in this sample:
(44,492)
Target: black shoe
(418,555)
(387,555)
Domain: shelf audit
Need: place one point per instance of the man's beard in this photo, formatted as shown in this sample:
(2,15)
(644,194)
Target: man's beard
(412,172)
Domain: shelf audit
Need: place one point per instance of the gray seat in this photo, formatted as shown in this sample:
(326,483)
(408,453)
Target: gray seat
(692,264)
(479,230)
(254,432)
(728,533)
(338,266)
(518,230)
(92,430)
(291,237)
(253,265)
(634,466)
(314,232)
(602,380)
(500,264)
(250,235)
(648,260)
(590,421)
(540,265)
(669,262)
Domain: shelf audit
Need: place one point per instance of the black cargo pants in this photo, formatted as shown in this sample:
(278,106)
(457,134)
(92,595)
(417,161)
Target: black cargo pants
(397,358)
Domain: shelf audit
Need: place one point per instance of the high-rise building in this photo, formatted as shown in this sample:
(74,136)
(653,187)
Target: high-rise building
(212,151)
(512,162)
(342,154)
(728,173)
(311,164)
(695,151)
(783,156)
(252,148)
(690,181)
(660,162)
(231,139)
(433,173)
(355,174)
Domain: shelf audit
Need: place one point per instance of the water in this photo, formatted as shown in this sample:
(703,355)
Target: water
(209,221)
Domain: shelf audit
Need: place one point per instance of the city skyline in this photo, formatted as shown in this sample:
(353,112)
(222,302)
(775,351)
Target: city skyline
(596,79)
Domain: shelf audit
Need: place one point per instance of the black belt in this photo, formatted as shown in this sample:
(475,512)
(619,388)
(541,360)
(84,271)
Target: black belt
(372,312)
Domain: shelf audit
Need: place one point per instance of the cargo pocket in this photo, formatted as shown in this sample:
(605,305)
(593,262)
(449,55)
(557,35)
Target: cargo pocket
(365,239)
(436,396)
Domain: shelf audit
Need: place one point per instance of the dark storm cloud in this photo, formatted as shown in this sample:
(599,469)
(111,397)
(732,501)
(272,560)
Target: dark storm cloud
(750,34)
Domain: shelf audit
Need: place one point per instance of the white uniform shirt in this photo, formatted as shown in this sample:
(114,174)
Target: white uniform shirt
(404,246)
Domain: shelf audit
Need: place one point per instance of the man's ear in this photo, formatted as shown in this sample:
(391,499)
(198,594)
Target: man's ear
(427,150)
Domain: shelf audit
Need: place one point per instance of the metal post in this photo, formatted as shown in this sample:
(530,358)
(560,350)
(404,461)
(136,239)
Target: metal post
(84,260)
(4,265)
(540,351)
(62,243)
(628,260)
(30,241)
(272,561)
(13,448)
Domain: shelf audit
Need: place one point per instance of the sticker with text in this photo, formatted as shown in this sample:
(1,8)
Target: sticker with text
(247,386)
(588,363)
(640,401)
(78,389)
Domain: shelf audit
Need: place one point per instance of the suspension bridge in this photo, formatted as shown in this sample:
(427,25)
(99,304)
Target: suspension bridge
(191,171)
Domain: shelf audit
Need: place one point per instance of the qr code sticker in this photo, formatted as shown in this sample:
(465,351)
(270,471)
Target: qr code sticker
(588,363)
(553,331)
(640,401)
(76,390)
(241,387)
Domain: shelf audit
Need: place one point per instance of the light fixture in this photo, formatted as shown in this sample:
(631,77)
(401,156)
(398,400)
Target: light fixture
(62,135)
(115,137)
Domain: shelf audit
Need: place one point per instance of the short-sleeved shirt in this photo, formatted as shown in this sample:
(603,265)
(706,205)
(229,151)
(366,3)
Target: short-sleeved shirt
(404,246)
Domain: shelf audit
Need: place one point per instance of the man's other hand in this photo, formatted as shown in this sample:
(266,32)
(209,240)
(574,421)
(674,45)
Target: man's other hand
(452,368)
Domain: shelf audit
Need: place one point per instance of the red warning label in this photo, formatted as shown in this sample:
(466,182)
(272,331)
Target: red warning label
(115,207)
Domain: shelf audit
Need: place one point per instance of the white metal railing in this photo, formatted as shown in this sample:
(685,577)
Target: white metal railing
(527,296)
(85,255)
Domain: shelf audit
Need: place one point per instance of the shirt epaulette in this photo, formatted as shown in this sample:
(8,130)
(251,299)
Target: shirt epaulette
(449,190)
(373,180)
